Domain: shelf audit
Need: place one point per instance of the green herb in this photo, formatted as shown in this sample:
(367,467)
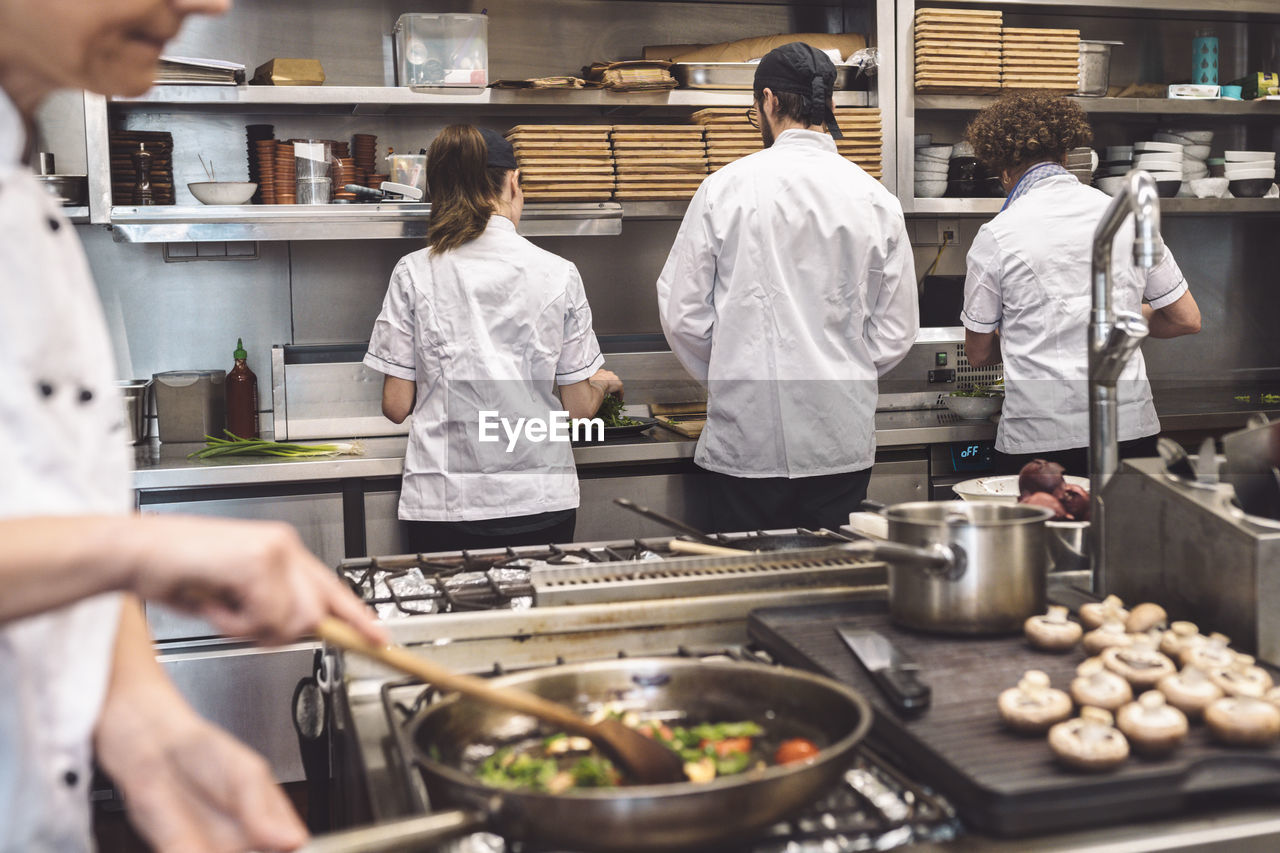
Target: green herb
(234,445)
(610,412)
(590,772)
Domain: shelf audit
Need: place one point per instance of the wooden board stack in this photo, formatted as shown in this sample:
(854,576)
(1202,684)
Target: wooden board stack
(658,162)
(1040,59)
(731,136)
(564,162)
(957,50)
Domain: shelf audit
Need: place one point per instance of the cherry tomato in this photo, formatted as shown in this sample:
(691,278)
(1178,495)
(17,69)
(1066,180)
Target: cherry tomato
(794,750)
(728,745)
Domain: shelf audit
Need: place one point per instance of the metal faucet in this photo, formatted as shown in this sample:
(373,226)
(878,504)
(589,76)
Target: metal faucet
(1113,337)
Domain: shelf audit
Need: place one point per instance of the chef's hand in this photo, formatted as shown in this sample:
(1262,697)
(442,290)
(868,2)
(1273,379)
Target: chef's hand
(606,382)
(188,785)
(249,578)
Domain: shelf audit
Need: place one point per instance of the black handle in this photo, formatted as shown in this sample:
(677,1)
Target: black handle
(903,688)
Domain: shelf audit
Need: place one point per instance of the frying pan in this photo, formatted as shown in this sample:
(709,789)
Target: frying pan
(762,542)
(685,816)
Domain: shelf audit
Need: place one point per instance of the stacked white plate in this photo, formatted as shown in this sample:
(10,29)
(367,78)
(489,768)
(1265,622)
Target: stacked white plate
(1248,165)
(1162,159)
(932,162)
(1195,150)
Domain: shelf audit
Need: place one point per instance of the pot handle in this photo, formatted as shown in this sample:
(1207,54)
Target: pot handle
(946,561)
(409,834)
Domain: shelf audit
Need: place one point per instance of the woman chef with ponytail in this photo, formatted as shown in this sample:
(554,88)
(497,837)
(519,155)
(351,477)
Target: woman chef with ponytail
(482,327)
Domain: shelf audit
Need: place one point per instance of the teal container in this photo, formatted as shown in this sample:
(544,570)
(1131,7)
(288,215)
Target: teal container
(1204,58)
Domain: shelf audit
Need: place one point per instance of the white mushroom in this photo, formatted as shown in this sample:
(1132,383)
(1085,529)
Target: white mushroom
(1179,635)
(1053,631)
(1144,617)
(566,744)
(1108,635)
(1213,652)
(1152,726)
(1033,705)
(1097,686)
(1243,721)
(1190,691)
(1241,677)
(1110,609)
(1273,696)
(1089,742)
(1139,663)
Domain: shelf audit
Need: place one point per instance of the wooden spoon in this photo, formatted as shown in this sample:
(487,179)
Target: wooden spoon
(643,760)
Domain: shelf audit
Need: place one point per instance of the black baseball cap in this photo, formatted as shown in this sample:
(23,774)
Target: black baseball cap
(501,154)
(803,70)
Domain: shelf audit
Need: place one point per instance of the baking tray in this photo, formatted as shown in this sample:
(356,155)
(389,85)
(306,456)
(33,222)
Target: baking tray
(1001,783)
(741,75)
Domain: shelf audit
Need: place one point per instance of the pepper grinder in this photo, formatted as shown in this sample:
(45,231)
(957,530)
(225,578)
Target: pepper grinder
(142,165)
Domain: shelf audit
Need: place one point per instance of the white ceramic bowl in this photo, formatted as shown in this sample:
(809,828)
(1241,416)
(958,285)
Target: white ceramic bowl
(1249,174)
(1157,162)
(1193,137)
(1196,152)
(1250,156)
(1002,489)
(934,152)
(1174,147)
(1110,185)
(923,139)
(1167,176)
(930,189)
(974,408)
(223,192)
(1119,152)
(1209,187)
(931,168)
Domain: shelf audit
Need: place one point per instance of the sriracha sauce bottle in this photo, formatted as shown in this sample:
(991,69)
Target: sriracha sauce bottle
(242,396)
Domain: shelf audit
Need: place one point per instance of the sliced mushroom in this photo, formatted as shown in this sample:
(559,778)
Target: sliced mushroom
(1033,705)
(1243,721)
(1139,663)
(1109,634)
(1152,726)
(1144,617)
(1241,678)
(1179,635)
(1099,687)
(1213,652)
(1190,691)
(1053,631)
(1109,609)
(1089,742)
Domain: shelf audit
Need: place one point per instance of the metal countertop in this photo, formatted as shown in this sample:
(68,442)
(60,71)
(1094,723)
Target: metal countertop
(166,466)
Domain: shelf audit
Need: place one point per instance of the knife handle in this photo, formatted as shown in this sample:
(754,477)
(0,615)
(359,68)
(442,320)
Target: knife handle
(905,691)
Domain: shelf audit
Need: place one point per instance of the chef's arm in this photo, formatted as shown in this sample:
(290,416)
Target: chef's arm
(190,785)
(1181,317)
(250,578)
(893,322)
(686,286)
(583,399)
(982,349)
(397,398)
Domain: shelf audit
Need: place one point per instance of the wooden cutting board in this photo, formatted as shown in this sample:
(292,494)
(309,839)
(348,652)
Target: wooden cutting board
(690,425)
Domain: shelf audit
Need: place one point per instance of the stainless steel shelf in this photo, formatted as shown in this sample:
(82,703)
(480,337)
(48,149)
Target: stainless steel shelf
(1122,106)
(235,223)
(654,209)
(1172,206)
(77,215)
(377,100)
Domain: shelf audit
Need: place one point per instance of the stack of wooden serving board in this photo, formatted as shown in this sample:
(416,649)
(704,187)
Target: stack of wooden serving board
(658,162)
(958,50)
(564,162)
(730,136)
(1040,59)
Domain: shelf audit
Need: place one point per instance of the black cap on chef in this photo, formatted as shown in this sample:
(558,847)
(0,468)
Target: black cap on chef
(501,154)
(803,70)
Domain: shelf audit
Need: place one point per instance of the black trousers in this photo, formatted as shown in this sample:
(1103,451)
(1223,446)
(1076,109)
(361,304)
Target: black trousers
(544,528)
(742,503)
(1075,460)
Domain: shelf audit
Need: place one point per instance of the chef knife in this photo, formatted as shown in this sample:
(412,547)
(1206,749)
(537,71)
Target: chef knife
(894,673)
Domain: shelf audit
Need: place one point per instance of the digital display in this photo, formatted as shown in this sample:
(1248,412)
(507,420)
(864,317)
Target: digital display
(972,455)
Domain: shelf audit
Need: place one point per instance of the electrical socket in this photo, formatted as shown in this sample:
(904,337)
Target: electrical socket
(948,231)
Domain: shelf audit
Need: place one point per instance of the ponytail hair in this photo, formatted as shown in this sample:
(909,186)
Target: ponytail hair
(462,187)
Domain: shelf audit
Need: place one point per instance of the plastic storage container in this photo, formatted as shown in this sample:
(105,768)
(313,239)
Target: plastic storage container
(442,51)
(190,404)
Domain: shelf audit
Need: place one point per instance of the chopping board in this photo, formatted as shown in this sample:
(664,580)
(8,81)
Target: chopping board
(689,425)
(1002,783)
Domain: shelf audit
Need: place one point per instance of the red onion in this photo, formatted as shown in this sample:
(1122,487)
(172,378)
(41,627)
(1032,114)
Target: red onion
(1039,476)
(1047,501)
(1075,500)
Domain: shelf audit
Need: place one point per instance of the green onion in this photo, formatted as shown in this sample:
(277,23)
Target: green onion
(234,445)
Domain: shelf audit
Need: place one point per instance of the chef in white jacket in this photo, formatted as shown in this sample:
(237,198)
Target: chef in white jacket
(1028,294)
(789,290)
(79,677)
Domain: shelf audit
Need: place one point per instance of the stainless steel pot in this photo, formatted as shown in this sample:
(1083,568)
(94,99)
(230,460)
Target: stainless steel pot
(996,579)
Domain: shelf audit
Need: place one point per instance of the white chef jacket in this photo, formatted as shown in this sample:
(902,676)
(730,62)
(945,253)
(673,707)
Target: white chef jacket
(1029,276)
(493,325)
(789,290)
(62,451)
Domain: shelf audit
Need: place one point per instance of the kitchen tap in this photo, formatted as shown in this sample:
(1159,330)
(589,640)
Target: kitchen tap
(1113,337)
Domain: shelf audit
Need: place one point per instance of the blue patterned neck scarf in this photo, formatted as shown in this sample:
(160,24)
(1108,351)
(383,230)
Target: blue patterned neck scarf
(1032,177)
